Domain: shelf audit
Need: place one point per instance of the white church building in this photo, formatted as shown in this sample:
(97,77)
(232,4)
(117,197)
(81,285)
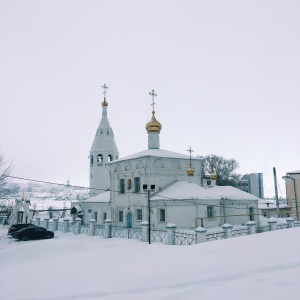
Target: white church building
(122,188)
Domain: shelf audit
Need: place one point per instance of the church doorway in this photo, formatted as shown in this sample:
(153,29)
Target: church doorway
(129,220)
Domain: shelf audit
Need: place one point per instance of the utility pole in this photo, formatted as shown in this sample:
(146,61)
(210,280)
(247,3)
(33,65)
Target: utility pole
(276,192)
(148,190)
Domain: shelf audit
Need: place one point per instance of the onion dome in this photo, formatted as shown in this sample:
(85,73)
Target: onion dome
(213,175)
(190,171)
(104,103)
(153,125)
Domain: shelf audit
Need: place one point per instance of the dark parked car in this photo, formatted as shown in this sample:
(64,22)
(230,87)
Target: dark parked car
(15,227)
(33,233)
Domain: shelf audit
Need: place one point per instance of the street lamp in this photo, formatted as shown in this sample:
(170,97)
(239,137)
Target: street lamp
(149,188)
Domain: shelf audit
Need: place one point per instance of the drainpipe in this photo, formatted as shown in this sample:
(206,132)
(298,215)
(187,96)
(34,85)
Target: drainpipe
(224,210)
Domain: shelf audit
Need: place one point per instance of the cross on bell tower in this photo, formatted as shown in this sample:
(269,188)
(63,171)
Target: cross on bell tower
(105,88)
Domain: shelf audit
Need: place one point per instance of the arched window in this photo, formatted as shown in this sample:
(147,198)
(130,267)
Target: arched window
(110,158)
(99,160)
(129,184)
(92,160)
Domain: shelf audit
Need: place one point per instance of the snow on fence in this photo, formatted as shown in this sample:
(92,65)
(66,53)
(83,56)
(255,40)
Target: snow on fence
(169,236)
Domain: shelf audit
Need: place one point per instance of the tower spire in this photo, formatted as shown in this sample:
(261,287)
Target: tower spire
(105,88)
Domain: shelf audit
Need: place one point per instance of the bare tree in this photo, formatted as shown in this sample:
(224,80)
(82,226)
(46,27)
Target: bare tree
(6,188)
(224,169)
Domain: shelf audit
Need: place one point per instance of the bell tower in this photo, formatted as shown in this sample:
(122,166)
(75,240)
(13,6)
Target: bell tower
(104,150)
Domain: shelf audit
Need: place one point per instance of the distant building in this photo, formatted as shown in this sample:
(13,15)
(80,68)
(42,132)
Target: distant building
(292,185)
(251,183)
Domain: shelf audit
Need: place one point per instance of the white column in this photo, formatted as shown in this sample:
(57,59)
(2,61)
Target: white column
(290,222)
(66,225)
(55,224)
(200,235)
(272,225)
(92,227)
(46,222)
(251,227)
(107,229)
(78,225)
(38,221)
(145,235)
(228,230)
(170,240)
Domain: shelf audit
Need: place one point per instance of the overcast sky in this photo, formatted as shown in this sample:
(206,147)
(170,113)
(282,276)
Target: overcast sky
(227,76)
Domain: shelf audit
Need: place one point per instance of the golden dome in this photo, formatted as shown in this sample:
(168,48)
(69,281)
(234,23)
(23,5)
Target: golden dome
(153,125)
(190,171)
(213,176)
(104,103)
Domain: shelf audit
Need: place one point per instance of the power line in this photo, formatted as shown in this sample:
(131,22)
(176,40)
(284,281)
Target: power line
(193,201)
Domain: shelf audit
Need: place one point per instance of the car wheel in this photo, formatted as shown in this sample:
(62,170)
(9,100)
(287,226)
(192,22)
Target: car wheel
(25,238)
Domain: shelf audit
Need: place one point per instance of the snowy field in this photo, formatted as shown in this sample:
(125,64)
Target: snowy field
(261,266)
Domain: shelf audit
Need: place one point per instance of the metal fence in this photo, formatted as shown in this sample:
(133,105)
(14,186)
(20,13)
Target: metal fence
(99,230)
(50,226)
(135,233)
(297,224)
(71,228)
(281,226)
(42,224)
(85,229)
(184,238)
(60,227)
(214,236)
(240,232)
(119,232)
(158,236)
(263,228)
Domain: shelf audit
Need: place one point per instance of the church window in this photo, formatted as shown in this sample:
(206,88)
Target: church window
(129,184)
(95,215)
(120,216)
(137,184)
(110,158)
(162,215)
(104,216)
(139,214)
(122,186)
(92,160)
(89,210)
(251,213)
(210,211)
(117,157)
(99,160)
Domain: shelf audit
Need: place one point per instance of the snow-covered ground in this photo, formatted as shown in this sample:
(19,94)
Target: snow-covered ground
(261,266)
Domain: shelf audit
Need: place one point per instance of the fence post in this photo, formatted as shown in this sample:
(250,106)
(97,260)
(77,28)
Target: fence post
(92,227)
(37,221)
(78,225)
(170,240)
(107,229)
(272,225)
(46,220)
(251,227)
(145,237)
(200,235)
(55,224)
(290,222)
(66,225)
(228,230)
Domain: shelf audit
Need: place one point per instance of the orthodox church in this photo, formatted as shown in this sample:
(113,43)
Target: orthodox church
(122,189)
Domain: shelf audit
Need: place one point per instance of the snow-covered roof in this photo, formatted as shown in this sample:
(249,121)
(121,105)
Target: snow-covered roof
(184,190)
(231,193)
(103,197)
(267,204)
(294,172)
(155,153)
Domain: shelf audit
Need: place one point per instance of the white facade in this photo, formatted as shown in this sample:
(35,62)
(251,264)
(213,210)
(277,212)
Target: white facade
(177,192)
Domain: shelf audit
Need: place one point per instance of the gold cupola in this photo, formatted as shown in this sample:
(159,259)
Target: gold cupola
(190,171)
(104,103)
(153,125)
(213,174)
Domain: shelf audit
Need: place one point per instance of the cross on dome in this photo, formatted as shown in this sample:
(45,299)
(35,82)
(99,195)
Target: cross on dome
(153,95)
(105,88)
(190,171)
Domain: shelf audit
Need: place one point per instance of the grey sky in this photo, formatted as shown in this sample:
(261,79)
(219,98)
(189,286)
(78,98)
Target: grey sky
(226,73)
